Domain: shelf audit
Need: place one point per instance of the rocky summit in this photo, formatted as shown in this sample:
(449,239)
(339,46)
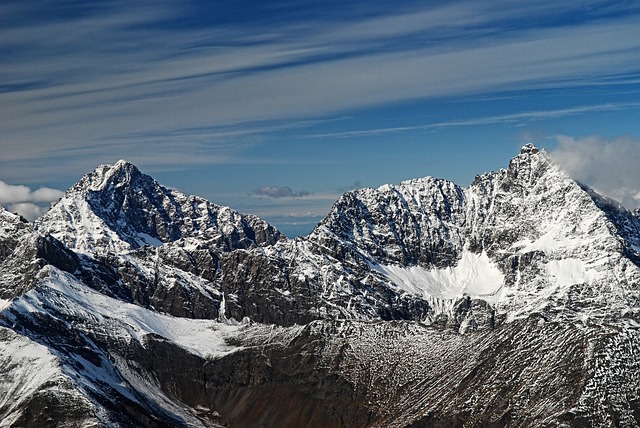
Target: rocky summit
(512,302)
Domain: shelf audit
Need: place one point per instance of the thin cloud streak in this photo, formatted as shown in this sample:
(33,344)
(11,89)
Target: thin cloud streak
(279,192)
(488,120)
(535,48)
(286,192)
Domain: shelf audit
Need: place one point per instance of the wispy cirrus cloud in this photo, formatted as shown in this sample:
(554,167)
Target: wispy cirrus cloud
(136,69)
(513,118)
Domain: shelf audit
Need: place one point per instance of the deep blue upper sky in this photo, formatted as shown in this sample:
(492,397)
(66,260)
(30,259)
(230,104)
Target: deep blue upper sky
(277,107)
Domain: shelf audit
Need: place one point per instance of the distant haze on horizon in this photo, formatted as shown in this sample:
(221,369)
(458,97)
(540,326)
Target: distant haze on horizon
(276,108)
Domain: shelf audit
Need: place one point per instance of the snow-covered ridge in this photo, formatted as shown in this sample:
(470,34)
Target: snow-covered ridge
(520,238)
(400,223)
(27,367)
(11,224)
(44,360)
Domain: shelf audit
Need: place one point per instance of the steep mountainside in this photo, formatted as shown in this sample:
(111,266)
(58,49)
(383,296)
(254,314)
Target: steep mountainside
(512,302)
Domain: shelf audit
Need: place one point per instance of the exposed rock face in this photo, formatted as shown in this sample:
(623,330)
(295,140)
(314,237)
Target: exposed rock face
(511,302)
(417,222)
(12,228)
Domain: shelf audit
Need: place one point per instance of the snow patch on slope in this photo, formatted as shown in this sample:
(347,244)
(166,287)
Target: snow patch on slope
(475,275)
(205,338)
(146,239)
(26,367)
(78,227)
(571,271)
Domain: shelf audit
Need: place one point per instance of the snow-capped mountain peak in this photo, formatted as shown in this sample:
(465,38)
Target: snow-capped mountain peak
(530,165)
(118,208)
(502,239)
(119,174)
(541,236)
(10,223)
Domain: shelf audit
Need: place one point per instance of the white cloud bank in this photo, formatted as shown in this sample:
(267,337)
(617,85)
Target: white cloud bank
(609,166)
(29,203)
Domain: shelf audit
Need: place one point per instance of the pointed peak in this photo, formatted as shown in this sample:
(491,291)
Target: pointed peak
(122,163)
(531,164)
(125,165)
(110,169)
(529,149)
(531,153)
(105,175)
(5,214)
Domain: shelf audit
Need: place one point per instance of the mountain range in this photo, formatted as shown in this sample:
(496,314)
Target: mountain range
(514,301)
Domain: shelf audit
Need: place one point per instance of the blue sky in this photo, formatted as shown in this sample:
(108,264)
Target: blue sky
(277,107)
